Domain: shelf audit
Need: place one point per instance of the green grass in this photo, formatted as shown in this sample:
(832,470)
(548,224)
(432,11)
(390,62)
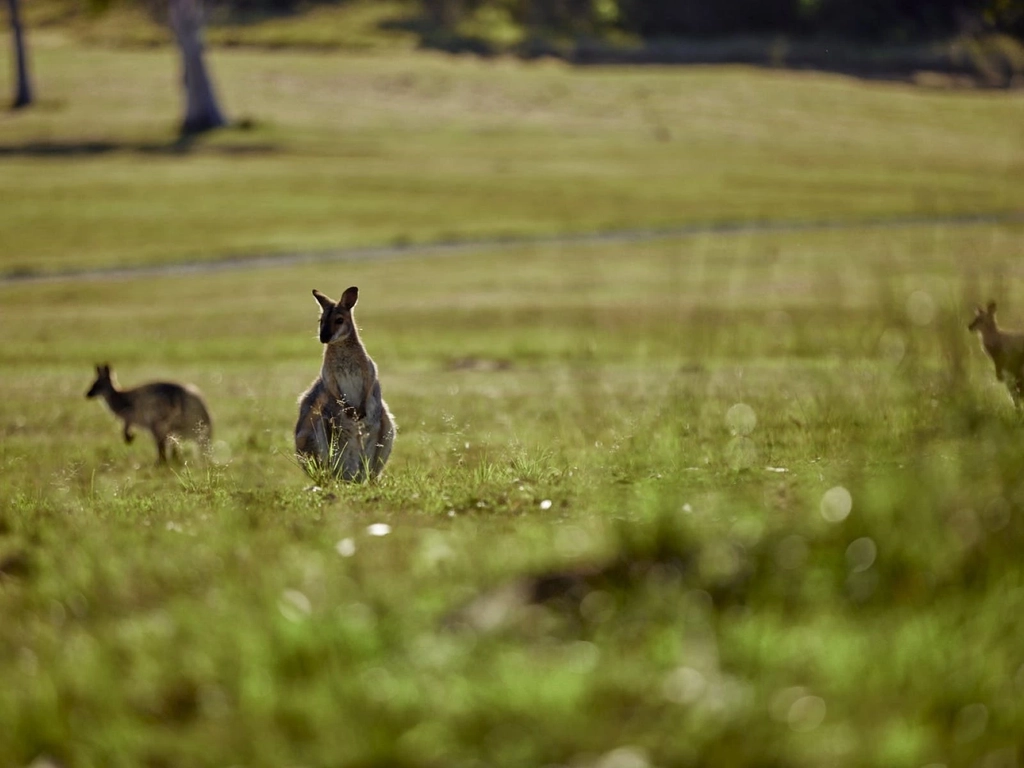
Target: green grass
(400,147)
(574,422)
(205,616)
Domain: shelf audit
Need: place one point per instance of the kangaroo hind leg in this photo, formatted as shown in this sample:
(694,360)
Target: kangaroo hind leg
(161,447)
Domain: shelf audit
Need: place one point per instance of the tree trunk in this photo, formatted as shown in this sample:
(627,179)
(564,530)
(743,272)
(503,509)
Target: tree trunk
(202,112)
(23,90)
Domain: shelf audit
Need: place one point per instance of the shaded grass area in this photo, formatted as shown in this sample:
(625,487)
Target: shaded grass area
(615,537)
(966,60)
(351,150)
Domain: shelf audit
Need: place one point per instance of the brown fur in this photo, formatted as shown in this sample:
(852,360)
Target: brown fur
(344,423)
(169,411)
(1005,348)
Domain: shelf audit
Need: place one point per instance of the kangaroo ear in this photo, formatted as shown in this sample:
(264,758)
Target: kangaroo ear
(349,298)
(991,307)
(324,302)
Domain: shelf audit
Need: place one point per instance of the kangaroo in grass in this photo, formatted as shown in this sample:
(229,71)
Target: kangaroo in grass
(1006,348)
(344,424)
(169,411)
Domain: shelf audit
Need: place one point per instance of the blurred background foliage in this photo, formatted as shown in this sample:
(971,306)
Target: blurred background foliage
(874,20)
(877,21)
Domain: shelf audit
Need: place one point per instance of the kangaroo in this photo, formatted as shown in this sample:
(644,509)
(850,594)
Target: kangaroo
(1006,348)
(169,411)
(344,423)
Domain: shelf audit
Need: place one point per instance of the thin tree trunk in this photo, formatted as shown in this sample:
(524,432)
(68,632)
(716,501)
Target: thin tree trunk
(202,112)
(23,90)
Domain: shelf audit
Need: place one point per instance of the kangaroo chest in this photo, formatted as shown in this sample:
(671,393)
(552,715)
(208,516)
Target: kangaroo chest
(345,382)
(995,351)
(120,405)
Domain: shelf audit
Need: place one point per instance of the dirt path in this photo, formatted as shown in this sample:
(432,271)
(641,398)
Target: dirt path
(469,246)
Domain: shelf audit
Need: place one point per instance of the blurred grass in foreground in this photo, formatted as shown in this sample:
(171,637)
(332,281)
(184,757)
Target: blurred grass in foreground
(620,529)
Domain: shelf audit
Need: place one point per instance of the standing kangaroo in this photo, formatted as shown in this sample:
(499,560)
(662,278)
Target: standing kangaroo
(169,411)
(344,424)
(1006,348)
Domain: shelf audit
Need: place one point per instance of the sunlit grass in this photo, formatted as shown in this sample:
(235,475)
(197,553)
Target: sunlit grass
(615,523)
(349,150)
(738,499)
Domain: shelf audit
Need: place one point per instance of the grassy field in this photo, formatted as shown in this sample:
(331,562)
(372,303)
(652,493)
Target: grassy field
(659,428)
(405,148)
(749,499)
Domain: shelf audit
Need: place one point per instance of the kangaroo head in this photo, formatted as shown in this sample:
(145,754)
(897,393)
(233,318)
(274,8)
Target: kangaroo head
(104,381)
(984,319)
(336,323)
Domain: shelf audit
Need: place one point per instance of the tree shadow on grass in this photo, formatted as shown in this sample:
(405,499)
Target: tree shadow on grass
(182,146)
(962,63)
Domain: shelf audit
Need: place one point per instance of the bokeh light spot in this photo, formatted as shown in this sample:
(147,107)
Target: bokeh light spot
(806,713)
(294,605)
(921,308)
(684,685)
(346,547)
(782,700)
(892,345)
(836,504)
(791,552)
(741,453)
(624,757)
(861,553)
(741,419)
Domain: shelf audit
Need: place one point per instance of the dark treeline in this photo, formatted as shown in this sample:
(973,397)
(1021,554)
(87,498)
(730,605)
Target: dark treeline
(867,20)
(874,20)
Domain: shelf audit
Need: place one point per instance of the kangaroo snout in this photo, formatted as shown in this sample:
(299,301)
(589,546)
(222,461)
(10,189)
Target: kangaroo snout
(102,382)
